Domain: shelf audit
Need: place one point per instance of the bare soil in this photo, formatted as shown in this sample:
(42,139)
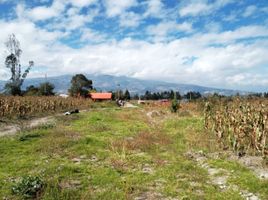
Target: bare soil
(12,129)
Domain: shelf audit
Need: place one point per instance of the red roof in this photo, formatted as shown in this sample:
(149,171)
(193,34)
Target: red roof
(101,96)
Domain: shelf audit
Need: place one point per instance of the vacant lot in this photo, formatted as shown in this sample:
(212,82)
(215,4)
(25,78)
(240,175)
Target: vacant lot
(130,153)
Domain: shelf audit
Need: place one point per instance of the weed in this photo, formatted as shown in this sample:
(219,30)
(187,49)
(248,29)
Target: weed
(29,187)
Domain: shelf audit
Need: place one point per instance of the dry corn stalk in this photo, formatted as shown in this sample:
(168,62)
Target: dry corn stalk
(240,124)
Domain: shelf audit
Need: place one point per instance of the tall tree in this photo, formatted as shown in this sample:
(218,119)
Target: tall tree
(80,85)
(127,95)
(13,63)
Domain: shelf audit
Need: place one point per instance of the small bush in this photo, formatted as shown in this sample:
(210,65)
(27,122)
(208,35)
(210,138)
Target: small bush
(29,187)
(174,104)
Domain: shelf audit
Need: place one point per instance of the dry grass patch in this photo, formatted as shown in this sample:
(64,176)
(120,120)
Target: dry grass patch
(119,164)
(201,140)
(58,141)
(160,162)
(190,109)
(142,141)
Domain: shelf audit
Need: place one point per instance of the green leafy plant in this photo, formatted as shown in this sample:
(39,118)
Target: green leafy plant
(174,104)
(29,187)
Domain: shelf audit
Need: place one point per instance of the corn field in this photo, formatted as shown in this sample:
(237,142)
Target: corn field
(239,124)
(13,106)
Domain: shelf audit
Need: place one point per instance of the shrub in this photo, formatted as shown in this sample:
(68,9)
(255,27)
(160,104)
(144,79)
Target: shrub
(174,104)
(29,187)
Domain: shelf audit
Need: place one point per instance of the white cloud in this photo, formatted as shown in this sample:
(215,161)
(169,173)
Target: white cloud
(115,8)
(247,79)
(42,13)
(163,29)
(56,10)
(227,37)
(202,7)
(82,3)
(234,16)
(3,1)
(92,36)
(195,9)
(154,8)
(159,60)
(130,19)
(211,57)
(213,27)
(250,10)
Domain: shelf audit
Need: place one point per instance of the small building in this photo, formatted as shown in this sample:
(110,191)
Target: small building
(101,96)
(64,95)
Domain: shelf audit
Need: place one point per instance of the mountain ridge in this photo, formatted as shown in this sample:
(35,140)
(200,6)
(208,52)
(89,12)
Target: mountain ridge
(135,86)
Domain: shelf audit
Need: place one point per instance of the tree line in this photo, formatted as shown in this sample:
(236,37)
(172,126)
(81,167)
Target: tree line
(169,95)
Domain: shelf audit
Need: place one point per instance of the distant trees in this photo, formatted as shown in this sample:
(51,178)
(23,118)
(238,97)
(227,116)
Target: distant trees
(256,95)
(44,89)
(12,62)
(31,91)
(127,95)
(120,94)
(135,97)
(170,95)
(192,95)
(160,95)
(80,85)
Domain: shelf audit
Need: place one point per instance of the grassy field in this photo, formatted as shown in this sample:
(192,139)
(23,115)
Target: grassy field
(112,153)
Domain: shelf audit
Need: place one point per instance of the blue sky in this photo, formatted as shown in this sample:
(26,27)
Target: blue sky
(218,43)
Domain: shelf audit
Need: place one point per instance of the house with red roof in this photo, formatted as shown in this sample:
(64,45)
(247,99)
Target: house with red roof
(100,96)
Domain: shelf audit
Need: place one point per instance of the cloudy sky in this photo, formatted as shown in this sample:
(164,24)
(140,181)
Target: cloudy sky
(218,43)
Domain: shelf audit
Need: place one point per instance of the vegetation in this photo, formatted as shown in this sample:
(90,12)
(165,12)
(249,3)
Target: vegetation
(28,187)
(168,95)
(192,95)
(120,154)
(127,95)
(121,95)
(239,124)
(80,86)
(15,106)
(13,63)
(44,89)
(160,95)
(174,104)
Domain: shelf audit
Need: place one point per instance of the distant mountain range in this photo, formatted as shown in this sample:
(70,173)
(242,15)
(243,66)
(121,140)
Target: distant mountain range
(135,86)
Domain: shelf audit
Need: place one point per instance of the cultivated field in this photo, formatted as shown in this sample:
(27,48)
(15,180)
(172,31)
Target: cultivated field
(241,125)
(22,107)
(130,153)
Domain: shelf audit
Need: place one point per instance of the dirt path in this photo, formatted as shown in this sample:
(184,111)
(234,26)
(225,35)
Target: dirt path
(13,129)
(219,176)
(30,124)
(129,105)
